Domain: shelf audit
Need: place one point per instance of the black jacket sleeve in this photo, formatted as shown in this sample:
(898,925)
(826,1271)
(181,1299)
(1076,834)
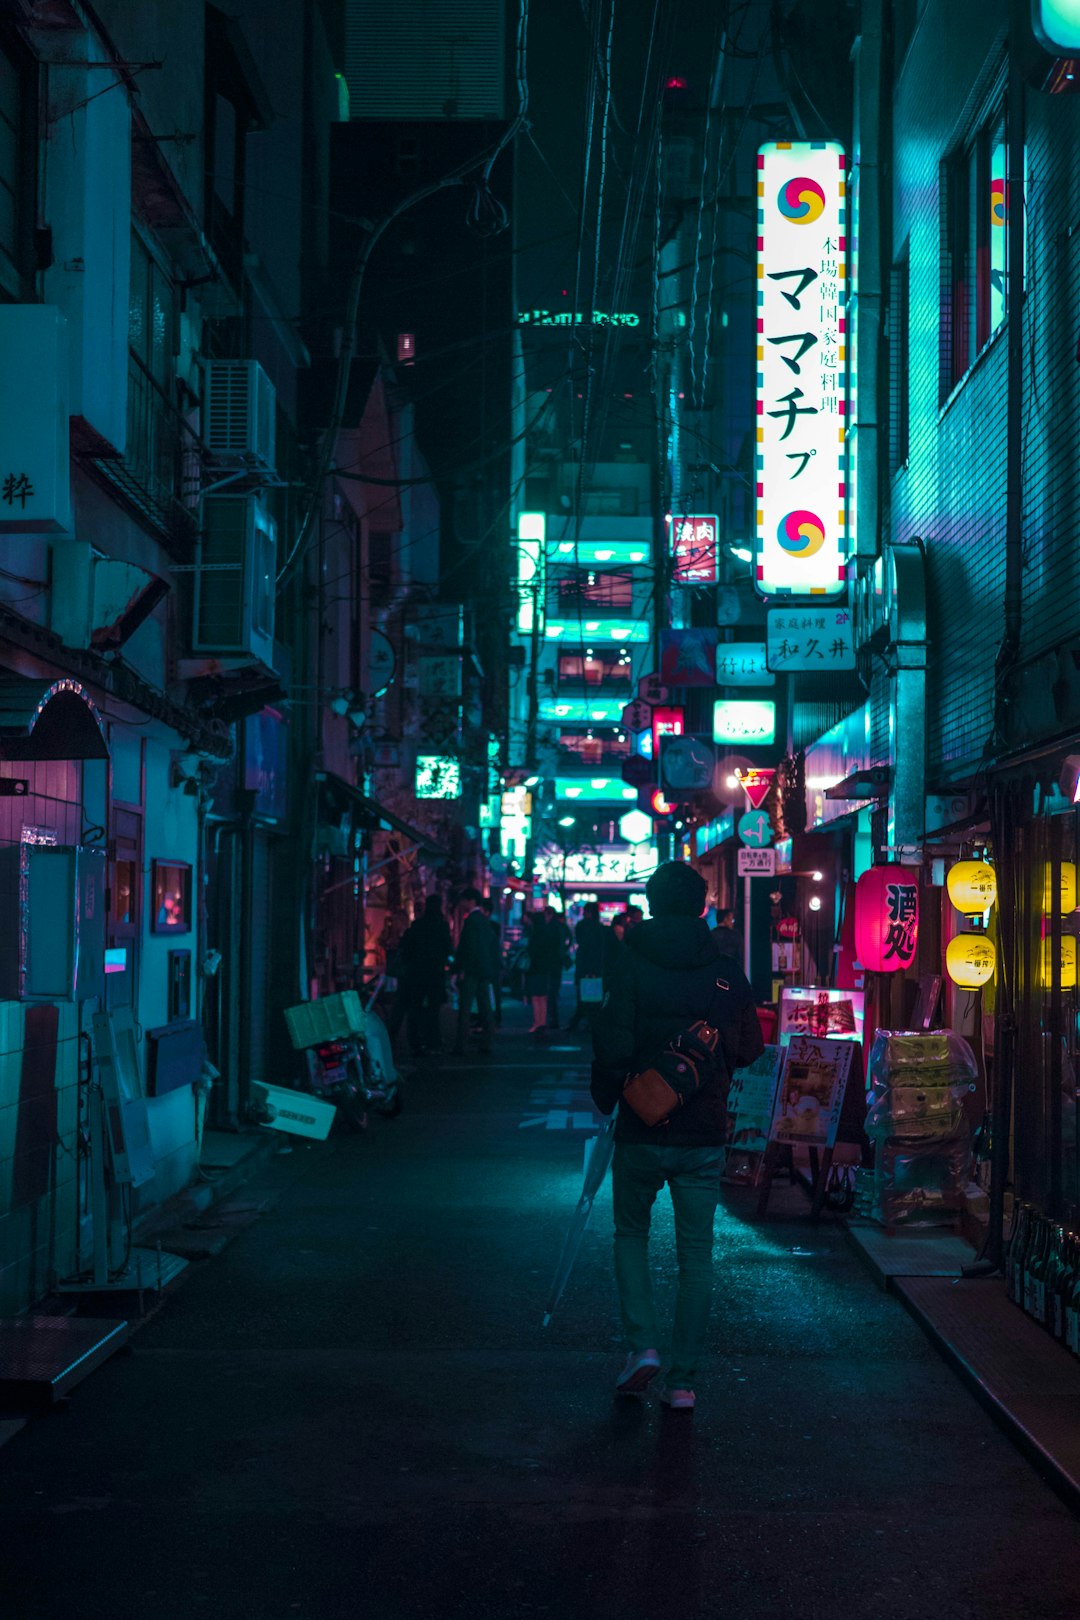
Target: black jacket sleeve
(751,1042)
(614,1038)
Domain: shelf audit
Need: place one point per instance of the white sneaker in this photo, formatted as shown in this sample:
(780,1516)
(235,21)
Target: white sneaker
(641,1368)
(680,1399)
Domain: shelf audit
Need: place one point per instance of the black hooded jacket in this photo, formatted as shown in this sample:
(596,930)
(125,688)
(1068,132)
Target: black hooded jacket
(671,973)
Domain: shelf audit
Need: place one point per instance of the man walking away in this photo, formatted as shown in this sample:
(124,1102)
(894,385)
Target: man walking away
(476,963)
(670,974)
(424,955)
(591,941)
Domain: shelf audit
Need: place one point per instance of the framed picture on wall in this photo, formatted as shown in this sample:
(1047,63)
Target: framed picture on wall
(170,897)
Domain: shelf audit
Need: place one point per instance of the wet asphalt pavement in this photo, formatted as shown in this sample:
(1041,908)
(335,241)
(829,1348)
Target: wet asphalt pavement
(353,1411)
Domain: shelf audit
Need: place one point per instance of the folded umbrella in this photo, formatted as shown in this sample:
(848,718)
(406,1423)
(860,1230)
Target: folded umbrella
(599,1159)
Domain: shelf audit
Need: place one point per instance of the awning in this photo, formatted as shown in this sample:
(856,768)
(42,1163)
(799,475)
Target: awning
(43,720)
(375,815)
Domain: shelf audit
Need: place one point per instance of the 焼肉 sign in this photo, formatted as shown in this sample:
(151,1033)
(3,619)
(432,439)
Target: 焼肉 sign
(802,508)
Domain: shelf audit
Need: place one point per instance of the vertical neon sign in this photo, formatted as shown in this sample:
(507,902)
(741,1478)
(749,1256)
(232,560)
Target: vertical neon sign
(802,399)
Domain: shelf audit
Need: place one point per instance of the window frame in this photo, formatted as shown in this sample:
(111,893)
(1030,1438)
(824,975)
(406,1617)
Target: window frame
(17,275)
(967,302)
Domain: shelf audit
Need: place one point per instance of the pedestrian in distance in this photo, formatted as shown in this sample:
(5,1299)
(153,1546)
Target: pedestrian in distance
(590,949)
(545,964)
(488,905)
(670,974)
(422,959)
(557,922)
(727,935)
(476,965)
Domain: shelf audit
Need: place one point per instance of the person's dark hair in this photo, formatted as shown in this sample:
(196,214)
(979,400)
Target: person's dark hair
(433,906)
(725,918)
(488,904)
(471,894)
(676,890)
(592,909)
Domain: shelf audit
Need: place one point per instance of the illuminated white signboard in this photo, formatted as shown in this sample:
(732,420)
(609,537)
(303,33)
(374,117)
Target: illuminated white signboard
(737,720)
(742,663)
(1057,25)
(611,864)
(572,709)
(802,525)
(618,553)
(438,776)
(814,638)
(530,569)
(597,789)
(601,629)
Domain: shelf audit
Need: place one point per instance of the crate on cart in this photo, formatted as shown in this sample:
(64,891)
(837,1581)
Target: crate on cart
(332,1018)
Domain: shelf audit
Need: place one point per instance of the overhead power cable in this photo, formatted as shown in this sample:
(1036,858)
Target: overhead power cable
(482,165)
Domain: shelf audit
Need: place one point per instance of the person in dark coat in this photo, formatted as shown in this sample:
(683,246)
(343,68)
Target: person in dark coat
(488,904)
(591,945)
(558,924)
(670,973)
(476,963)
(545,963)
(727,935)
(423,956)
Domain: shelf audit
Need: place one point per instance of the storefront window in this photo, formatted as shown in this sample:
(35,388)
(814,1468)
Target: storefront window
(171,899)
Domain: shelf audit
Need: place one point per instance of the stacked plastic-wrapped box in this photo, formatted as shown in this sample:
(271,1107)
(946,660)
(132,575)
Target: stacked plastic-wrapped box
(916,1087)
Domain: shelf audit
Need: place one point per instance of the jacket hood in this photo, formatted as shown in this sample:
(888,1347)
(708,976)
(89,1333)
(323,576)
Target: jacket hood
(675,942)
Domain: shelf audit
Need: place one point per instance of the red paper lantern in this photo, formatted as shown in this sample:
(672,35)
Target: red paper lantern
(887,918)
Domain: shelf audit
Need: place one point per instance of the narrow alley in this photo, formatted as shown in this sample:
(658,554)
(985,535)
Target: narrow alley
(354,1411)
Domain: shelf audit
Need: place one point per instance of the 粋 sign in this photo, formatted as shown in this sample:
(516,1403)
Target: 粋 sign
(821,639)
(802,523)
(694,546)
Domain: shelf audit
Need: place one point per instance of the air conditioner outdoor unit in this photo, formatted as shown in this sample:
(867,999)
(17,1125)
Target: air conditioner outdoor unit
(239,417)
(235,578)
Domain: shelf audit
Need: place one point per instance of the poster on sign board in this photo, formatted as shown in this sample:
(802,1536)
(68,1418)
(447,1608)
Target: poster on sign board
(751,1101)
(810,1096)
(813,1010)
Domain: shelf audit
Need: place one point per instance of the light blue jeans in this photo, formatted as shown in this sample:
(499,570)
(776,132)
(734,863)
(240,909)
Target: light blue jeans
(693,1176)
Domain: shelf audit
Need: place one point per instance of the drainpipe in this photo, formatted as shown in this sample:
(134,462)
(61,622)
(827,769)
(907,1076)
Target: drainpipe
(1014,393)
(906,655)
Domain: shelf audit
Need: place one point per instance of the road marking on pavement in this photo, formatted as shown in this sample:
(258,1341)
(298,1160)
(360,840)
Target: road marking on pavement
(560,1119)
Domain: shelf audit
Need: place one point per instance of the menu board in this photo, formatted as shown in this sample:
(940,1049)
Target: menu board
(750,1102)
(810,1096)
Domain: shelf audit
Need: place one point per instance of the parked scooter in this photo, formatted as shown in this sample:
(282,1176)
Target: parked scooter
(346,1052)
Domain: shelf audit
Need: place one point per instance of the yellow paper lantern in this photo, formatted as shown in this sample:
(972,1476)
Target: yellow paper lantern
(972,887)
(970,959)
(1066,888)
(1067,976)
